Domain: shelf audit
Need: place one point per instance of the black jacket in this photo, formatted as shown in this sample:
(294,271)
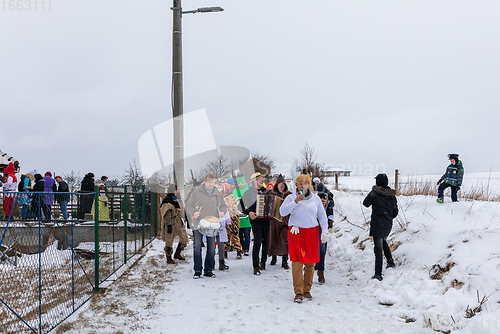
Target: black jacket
(321,188)
(249,202)
(87,184)
(384,210)
(62,188)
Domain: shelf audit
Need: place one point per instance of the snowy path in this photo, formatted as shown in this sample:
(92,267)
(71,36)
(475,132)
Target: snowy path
(149,301)
(155,298)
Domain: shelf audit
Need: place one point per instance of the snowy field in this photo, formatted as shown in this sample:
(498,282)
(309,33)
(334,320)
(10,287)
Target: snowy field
(448,261)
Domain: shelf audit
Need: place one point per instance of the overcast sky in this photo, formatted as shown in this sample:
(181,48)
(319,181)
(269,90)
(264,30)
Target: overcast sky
(393,83)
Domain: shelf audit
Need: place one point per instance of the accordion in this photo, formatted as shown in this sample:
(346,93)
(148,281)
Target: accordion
(268,206)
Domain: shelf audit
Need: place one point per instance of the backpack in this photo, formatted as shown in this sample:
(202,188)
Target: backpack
(20,185)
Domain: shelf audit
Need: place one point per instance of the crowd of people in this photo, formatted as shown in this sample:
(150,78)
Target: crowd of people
(36,195)
(299,233)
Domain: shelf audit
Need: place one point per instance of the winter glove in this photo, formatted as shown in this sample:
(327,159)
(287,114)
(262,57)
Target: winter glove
(458,188)
(170,229)
(324,238)
(294,230)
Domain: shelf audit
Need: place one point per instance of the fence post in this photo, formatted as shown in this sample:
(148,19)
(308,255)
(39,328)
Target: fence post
(125,216)
(336,181)
(156,198)
(396,182)
(40,261)
(96,221)
(143,213)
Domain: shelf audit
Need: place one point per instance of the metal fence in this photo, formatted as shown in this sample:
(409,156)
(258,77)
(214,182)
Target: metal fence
(50,266)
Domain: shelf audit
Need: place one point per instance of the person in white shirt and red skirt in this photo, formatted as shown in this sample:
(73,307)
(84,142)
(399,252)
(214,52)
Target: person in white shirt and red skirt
(306,215)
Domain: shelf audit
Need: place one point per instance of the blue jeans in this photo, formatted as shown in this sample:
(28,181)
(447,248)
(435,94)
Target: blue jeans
(245,238)
(322,251)
(454,190)
(64,209)
(24,211)
(209,258)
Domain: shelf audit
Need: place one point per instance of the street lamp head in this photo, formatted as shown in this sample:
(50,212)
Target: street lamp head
(210,9)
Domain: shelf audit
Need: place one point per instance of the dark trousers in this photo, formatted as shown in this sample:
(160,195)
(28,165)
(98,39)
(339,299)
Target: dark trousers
(322,252)
(245,237)
(380,245)
(454,190)
(260,238)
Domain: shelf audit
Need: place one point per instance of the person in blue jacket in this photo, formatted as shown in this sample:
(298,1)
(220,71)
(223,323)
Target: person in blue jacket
(451,178)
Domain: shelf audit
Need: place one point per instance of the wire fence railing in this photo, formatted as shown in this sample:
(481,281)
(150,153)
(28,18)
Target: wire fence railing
(53,258)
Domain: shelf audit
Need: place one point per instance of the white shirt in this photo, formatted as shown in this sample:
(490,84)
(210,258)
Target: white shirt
(306,213)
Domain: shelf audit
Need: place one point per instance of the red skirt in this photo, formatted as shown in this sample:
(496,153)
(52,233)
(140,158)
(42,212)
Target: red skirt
(304,246)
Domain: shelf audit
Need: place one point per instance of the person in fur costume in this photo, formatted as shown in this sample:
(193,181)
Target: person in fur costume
(307,214)
(172,224)
(384,205)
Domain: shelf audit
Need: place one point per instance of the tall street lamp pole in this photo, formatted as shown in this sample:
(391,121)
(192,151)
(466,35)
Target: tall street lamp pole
(177,96)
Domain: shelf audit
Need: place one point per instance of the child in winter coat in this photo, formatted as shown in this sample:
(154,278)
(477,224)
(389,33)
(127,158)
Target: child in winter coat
(451,178)
(384,205)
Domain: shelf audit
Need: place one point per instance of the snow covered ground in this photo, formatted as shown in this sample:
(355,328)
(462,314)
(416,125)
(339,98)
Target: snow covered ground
(455,243)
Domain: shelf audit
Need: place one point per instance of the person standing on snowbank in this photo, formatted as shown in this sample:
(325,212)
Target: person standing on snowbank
(306,215)
(384,205)
(451,178)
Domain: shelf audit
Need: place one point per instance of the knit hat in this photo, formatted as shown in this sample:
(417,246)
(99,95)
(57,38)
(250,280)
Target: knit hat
(226,186)
(304,178)
(38,177)
(171,189)
(270,184)
(231,181)
(49,174)
(381,180)
(316,179)
(33,172)
(9,170)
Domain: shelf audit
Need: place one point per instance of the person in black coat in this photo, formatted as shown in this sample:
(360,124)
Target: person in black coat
(384,210)
(260,226)
(85,201)
(38,202)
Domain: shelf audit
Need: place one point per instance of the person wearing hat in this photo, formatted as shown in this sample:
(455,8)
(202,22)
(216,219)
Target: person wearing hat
(37,202)
(451,178)
(49,187)
(245,226)
(321,188)
(63,196)
(384,205)
(172,225)
(278,244)
(260,226)
(306,216)
(10,185)
(206,200)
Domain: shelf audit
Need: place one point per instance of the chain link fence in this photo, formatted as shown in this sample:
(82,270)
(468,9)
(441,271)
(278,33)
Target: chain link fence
(51,262)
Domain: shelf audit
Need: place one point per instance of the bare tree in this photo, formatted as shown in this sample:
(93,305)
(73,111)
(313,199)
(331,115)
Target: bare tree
(219,167)
(73,180)
(308,160)
(133,176)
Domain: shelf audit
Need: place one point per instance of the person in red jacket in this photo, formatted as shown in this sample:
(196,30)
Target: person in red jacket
(10,185)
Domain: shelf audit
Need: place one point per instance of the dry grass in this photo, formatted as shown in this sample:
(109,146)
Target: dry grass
(437,271)
(478,192)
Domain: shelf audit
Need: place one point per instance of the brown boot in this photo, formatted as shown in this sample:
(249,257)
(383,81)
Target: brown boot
(177,254)
(298,298)
(321,276)
(170,260)
(256,271)
(307,295)
(262,266)
(168,255)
